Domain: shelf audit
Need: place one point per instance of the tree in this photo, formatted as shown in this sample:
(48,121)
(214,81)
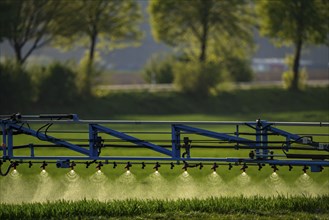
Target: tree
(201,22)
(57,86)
(159,68)
(107,23)
(295,22)
(26,24)
(3,21)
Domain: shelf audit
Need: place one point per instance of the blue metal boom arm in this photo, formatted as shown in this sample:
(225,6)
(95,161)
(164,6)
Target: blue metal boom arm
(48,138)
(260,143)
(220,136)
(132,139)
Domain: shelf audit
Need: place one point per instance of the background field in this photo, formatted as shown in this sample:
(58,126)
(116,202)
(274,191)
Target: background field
(265,103)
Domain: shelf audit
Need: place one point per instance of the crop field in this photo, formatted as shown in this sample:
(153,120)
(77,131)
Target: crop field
(211,208)
(82,193)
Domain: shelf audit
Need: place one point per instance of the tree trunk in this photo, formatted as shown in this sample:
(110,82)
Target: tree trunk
(18,54)
(204,39)
(92,48)
(87,83)
(295,80)
(205,28)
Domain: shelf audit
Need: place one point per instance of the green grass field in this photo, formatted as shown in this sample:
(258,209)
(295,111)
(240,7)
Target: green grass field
(264,103)
(210,208)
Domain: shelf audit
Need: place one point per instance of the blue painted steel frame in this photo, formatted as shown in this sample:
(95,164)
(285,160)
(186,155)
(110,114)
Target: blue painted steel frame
(212,134)
(43,137)
(132,139)
(262,129)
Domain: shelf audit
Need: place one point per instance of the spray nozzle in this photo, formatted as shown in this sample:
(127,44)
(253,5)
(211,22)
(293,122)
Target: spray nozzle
(99,166)
(89,162)
(128,166)
(244,167)
(275,168)
(185,166)
(172,165)
(14,164)
(43,166)
(305,169)
(200,166)
(260,166)
(72,165)
(157,165)
(214,167)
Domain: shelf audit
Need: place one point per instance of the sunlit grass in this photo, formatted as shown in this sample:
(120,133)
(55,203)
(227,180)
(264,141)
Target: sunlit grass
(235,206)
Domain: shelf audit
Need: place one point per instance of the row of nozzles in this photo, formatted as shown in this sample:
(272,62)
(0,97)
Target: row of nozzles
(157,165)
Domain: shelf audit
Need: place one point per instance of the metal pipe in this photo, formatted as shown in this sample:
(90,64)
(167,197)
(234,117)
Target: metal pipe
(209,159)
(136,122)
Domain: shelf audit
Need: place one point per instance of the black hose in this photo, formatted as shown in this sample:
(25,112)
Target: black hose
(8,169)
(38,131)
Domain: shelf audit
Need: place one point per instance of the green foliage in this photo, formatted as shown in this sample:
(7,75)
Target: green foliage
(239,69)
(16,86)
(288,76)
(205,31)
(28,25)
(290,21)
(295,23)
(159,69)
(107,24)
(196,78)
(246,104)
(58,87)
(198,25)
(87,72)
(256,206)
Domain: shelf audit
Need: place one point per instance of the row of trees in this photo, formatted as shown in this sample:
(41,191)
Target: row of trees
(31,24)
(296,23)
(207,32)
(212,27)
(54,85)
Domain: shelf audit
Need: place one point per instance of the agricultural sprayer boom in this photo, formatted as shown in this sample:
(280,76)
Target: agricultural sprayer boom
(66,140)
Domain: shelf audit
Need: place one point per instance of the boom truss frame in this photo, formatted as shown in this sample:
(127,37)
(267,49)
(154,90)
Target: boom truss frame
(180,151)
